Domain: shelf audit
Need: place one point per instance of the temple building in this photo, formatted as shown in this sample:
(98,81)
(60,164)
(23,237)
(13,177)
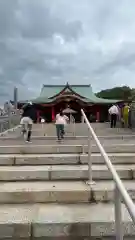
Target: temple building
(55,97)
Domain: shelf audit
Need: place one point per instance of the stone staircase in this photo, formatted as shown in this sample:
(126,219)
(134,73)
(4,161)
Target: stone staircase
(43,190)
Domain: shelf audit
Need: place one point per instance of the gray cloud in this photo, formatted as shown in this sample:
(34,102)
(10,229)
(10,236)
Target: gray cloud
(36,21)
(43,41)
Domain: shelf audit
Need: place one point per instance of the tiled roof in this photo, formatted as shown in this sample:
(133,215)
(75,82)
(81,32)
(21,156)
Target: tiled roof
(49,92)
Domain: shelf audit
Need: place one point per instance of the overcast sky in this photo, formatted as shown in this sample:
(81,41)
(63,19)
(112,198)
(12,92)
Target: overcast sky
(55,41)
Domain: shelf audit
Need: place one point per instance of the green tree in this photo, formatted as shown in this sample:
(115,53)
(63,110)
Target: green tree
(132,94)
(118,93)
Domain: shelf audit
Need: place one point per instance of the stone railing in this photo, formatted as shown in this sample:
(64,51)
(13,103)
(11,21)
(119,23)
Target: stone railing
(9,121)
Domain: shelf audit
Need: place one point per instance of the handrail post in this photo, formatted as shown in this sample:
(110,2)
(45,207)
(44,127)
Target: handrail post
(118,215)
(73,122)
(74,129)
(90,179)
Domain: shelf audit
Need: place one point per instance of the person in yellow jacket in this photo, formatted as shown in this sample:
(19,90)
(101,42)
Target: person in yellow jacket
(125,115)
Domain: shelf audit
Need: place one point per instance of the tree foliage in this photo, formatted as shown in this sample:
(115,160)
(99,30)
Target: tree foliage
(133,94)
(118,93)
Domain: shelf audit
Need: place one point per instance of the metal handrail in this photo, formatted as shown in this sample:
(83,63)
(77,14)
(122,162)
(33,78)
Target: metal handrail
(120,190)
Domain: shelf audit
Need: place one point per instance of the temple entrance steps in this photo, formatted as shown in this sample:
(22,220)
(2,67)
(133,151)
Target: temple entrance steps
(43,190)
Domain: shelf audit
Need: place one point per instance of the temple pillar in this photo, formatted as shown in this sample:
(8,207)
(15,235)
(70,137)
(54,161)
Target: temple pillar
(53,113)
(98,116)
(38,116)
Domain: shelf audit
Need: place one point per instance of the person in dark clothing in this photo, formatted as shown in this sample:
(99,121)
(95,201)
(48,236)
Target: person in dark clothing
(28,116)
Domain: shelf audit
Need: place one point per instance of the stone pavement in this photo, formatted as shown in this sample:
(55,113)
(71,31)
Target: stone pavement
(43,190)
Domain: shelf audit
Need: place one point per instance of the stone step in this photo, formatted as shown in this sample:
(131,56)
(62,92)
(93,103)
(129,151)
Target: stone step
(103,191)
(95,126)
(63,172)
(43,192)
(62,222)
(79,221)
(68,141)
(63,148)
(78,132)
(60,192)
(101,137)
(110,148)
(80,129)
(64,159)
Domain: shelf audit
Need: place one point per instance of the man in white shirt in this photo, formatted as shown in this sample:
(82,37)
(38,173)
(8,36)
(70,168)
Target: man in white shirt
(114,113)
(61,121)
